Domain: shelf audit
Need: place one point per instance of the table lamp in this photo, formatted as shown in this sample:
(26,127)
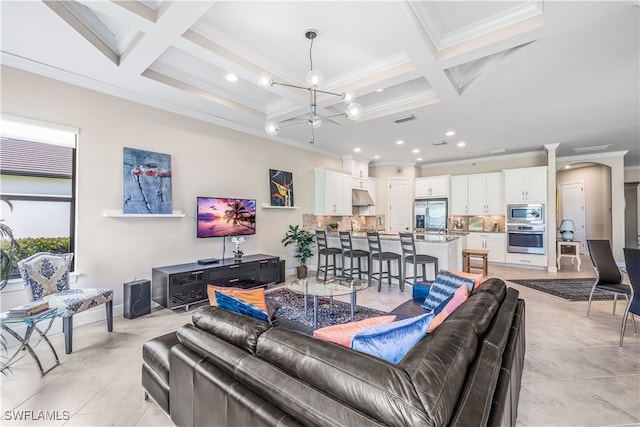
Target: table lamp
(567,228)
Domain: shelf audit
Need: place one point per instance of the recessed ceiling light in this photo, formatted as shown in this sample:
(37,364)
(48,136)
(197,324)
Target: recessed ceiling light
(231,77)
(380,90)
(415,151)
(376,157)
(356,150)
(419,159)
(399,142)
(461,144)
(450,133)
(567,167)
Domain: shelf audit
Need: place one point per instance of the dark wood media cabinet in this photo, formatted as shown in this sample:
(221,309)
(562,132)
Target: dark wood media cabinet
(181,285)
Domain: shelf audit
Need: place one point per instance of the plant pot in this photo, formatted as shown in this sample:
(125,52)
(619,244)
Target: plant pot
(237,258)
(301,271)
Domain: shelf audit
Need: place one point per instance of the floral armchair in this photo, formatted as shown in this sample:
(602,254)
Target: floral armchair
(46,277)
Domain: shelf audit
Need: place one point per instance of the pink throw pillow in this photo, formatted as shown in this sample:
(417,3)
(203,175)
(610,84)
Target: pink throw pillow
(460,296)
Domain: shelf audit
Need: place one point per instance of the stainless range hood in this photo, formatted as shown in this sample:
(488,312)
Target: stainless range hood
(361,198)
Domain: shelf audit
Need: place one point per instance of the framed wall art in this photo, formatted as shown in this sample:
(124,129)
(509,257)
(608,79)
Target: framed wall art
(146,178)
(281,188)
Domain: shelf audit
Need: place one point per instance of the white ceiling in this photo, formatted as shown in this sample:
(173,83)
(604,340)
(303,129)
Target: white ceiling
(512,75)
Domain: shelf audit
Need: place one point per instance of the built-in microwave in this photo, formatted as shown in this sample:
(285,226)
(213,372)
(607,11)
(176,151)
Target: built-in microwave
(528,213)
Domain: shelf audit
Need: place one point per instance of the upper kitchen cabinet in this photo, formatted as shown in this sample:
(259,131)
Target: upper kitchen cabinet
(355,168)
(479,194)
(526,185)
(332,192)
(432,186)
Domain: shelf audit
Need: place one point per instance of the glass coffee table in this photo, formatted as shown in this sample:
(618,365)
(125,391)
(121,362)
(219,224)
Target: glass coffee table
(333,286)
(31,322)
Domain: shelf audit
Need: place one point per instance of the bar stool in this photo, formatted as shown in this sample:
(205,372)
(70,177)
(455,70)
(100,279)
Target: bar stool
(468,254)
(410,256)
(324,251)
(349,252)
(377,254)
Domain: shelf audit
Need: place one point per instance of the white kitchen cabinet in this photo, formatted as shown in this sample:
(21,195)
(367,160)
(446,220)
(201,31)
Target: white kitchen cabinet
(479,194)
(526,259)
(496,243)
(432,186)
(458,202)
(332,192)
(526,185)
(356,168)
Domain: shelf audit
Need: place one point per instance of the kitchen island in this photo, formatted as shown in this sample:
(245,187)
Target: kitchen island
(447,248)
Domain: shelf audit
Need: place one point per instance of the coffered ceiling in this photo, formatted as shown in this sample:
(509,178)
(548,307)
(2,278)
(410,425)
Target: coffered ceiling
(507,76)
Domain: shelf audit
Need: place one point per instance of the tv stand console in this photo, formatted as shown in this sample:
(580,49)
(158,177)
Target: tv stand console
(183,285)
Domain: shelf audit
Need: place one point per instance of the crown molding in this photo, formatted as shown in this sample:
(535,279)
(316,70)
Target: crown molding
(591,156)
(488,159)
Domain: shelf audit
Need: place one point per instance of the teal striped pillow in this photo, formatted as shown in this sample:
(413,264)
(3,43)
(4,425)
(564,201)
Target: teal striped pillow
(443,288)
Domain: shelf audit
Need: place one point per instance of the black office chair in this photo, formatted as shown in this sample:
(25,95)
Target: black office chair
(324,251)
(349,252)
(632,261)
(608,275)
(418,260)
(377,254)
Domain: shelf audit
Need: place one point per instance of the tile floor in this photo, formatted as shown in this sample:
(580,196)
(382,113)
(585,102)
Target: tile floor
(575,374)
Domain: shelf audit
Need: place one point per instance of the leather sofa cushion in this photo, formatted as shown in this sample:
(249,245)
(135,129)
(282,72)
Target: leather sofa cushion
(478,310)
(239,330)
(411,308)
(363,382)
(211,348)
(155,354)
(438,366)
(493,286)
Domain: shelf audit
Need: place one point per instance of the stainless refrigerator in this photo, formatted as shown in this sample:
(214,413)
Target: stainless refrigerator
(430,214)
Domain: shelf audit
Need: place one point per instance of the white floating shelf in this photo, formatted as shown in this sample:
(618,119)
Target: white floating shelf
(117,213)
(268,206)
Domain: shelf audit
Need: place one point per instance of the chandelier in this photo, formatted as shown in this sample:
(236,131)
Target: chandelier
(314,79)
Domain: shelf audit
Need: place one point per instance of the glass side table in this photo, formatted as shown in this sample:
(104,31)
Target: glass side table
(31,323)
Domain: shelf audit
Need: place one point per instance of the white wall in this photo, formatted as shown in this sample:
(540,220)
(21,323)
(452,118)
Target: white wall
(206,160)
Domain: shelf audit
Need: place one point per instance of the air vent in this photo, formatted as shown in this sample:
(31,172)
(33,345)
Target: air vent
(440,143)
(398,120)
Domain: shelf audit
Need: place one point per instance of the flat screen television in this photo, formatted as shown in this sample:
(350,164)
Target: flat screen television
(224,216)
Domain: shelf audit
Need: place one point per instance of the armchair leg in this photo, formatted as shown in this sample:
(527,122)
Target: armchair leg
(109,308)
(67,328)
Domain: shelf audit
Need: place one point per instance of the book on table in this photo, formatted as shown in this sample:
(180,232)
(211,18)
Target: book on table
(29,309)
(39,314)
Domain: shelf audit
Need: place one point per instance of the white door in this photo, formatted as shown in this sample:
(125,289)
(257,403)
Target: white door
(400,204)
(572,205)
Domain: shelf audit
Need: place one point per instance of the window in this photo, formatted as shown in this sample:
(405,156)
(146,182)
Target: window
(38,173)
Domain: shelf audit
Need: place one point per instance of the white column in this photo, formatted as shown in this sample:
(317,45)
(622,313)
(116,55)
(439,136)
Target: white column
(551,207)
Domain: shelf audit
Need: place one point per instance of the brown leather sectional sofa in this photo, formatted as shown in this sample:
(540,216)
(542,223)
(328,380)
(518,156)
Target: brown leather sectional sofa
(226,369)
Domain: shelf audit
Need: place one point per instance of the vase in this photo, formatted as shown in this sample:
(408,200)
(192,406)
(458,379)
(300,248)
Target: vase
(237,258)
(301,271)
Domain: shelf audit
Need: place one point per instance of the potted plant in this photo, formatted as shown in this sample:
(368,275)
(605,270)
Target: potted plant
(237,254)
(303,240)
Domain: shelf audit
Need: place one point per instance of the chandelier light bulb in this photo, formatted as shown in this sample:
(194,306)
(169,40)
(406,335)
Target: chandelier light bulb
(354,111)
(316,122)
(315,78)
(271,128)
(265,80)
(348,97)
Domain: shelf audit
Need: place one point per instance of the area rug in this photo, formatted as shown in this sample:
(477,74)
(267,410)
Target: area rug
(569,289)
(292,307)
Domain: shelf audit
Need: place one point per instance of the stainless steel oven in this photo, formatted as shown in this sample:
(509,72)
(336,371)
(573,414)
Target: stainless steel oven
(525,213)
(526,239)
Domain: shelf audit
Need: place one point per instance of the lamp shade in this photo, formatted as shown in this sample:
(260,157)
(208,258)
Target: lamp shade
(567,225)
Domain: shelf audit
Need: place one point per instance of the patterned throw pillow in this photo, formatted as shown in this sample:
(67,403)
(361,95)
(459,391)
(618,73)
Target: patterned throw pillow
(476,277)
(241,307)
(45,273)
(252,296)
(444,286)
(392,341)
(459,296)
(342,334)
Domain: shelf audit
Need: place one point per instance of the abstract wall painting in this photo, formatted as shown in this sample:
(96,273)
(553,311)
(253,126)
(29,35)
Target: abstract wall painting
(146,182)
(281,187)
